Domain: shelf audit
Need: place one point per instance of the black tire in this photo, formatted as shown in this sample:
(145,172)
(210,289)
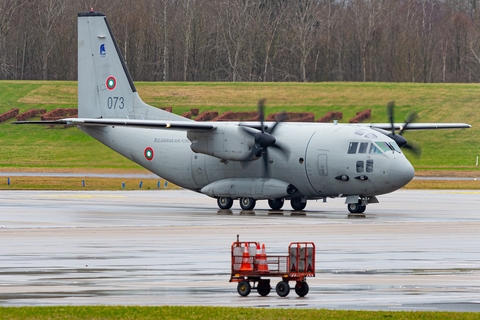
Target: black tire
(283,289)
(276,204)
(356,207)
(247,203)
(225,203)
(297,204)
(301,288)
(363,208)
(264,288)
(244,288)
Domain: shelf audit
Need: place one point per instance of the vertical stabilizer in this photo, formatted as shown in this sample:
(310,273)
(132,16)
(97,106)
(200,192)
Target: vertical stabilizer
(105,87)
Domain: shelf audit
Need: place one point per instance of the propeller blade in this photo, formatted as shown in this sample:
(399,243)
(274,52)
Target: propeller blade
(399,139)
(266,167)
(415,148)
(280,117)
(249,130)
(263,139)
(284,150)
(261,107)
(390,106)
(411,117)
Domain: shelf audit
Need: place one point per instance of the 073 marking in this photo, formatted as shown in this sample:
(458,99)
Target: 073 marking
(115,103)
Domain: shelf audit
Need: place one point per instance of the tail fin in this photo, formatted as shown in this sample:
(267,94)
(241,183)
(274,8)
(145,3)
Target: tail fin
(105,87)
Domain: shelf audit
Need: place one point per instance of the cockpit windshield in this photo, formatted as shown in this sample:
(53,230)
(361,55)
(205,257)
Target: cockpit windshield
(388,146)
(377,147)
(373,147)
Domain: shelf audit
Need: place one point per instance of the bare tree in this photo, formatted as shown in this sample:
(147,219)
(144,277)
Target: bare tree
(8,10)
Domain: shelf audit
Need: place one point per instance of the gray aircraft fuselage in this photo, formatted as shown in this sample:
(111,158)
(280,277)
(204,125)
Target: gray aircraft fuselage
(319,154)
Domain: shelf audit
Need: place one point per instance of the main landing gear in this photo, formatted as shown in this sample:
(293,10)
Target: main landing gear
(248,203)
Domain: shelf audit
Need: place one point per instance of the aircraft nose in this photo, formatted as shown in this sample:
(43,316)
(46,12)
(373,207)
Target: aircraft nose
(400,173)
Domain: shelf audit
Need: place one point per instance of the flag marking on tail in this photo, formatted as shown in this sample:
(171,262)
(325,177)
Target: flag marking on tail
(111,83)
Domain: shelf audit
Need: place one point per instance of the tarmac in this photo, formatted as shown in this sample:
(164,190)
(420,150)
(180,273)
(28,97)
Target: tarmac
(415,250)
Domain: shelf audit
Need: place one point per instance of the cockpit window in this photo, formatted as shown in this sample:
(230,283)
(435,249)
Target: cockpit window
(371,136)
(374,149)
(395,146)
(383,146)
(388,146)
(363,147)
(352,147)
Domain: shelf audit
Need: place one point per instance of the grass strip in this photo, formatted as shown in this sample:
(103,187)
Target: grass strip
(69,149)
(178,312)
(78,183)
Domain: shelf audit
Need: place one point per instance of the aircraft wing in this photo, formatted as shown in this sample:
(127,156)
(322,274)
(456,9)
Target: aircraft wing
(417,126)
(152,124)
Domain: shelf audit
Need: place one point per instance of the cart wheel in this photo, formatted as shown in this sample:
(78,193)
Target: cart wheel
(244,288)
(264,288)
(301,288)
(283,288)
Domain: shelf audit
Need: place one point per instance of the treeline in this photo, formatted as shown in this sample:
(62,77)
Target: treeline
(252,40)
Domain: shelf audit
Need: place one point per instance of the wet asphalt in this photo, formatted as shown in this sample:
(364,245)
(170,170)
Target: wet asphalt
(415,250)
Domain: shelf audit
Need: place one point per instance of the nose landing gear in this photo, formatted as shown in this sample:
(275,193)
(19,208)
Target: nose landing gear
(358,207)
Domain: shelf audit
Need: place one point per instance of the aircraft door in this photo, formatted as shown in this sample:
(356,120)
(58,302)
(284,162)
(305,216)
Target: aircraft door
(316,164)
(199,170)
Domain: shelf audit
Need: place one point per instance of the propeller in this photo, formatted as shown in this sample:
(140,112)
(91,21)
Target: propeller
(264,138)
(399,139)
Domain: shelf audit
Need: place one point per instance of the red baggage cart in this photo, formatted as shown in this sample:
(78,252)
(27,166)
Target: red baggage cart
(251,267)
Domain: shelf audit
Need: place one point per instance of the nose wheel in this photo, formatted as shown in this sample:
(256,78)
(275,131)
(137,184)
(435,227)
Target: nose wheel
(358,207)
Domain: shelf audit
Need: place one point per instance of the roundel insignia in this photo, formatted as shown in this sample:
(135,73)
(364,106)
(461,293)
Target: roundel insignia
(148,153)
(111,83)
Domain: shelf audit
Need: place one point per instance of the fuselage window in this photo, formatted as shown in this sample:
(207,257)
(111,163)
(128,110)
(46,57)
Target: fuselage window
(363,147)
(352,148)
(374,149)
(361,132)
(370,165)
(360,166)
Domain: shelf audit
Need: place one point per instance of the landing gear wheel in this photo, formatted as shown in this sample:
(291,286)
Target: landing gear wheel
(264,288)
(244,288)
(283,289)
(247,203)
(356,207)
(276,204)
(301,288)
(297,204)
(225,203)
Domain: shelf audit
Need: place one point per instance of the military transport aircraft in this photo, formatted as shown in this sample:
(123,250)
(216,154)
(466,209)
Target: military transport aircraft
(249,161)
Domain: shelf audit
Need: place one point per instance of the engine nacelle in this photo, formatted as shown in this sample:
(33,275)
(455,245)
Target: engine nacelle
(227,142)
(249,187)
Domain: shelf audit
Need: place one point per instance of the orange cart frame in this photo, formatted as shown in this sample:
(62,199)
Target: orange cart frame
(250,268)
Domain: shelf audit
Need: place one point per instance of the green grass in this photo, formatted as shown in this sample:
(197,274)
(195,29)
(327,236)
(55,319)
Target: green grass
(27,147)
(171,312)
